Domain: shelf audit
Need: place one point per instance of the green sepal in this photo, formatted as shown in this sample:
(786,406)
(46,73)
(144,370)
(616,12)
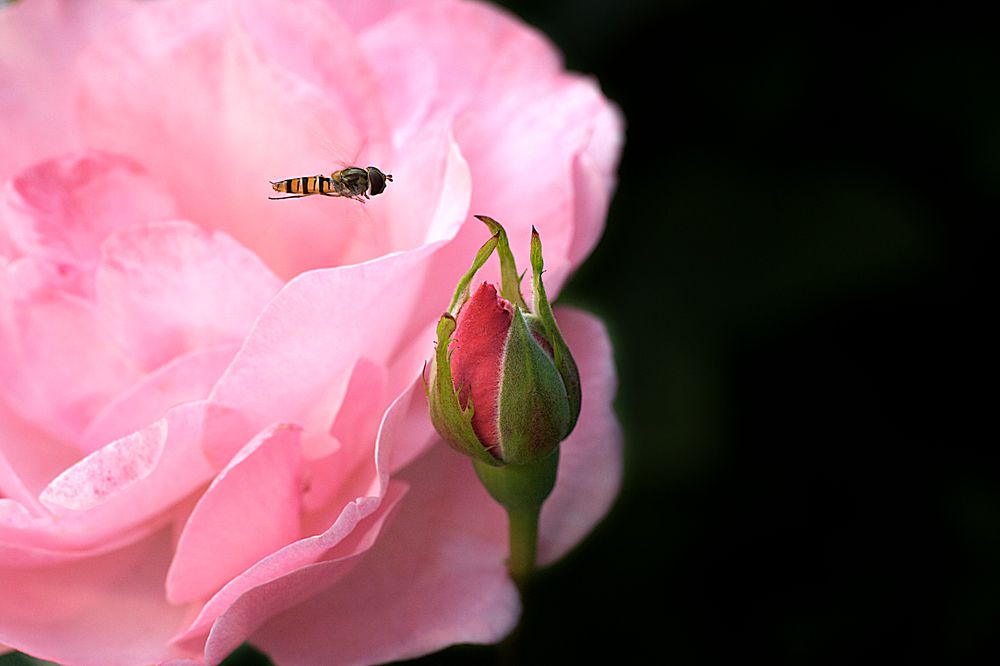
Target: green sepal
(534,410)
(462,290)
(510,283)
(452,422)
(560,351)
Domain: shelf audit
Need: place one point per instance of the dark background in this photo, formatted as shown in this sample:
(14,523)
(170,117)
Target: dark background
(794,273)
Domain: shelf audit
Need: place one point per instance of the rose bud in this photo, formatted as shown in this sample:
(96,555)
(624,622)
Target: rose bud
(507,372)
(514,381)
(504,389)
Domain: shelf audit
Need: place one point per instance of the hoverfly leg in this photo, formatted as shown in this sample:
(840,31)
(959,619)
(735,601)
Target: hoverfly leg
(291,196)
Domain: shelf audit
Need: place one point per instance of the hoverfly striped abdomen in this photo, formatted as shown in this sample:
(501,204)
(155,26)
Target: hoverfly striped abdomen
(303,186)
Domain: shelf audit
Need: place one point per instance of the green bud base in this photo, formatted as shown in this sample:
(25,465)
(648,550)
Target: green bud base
(521,490)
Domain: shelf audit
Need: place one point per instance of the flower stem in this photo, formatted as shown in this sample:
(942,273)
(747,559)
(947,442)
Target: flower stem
(521,490)
(523,543)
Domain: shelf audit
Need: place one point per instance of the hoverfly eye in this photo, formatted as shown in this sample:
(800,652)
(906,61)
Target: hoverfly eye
(377,180)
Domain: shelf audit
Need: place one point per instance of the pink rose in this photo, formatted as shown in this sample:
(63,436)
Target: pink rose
(212,428)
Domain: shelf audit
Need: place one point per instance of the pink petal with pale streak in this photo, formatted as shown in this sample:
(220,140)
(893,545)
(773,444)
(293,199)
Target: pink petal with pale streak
(67,612)
(167,288)
(62,209)
(59,365)
(250,510)
(186,378)
(590,463)
(40,41)
(437,576)
(119,493)
(108,471)
(221,57)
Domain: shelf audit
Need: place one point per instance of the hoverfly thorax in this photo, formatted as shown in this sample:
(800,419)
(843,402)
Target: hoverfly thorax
(352,181)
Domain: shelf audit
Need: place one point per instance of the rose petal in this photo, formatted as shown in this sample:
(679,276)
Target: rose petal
(434,578)
(40,42)
(590,462)
(542,133)
(168,288)
(270,586)
(519,124)
(250,510)
(315,43)
(29,459)
(59,365)
(6,248)
(362,15)
(66,612)
(358,419)
(186,378)
(347,535)
(430,194)
(336,479)
(295,127)
(300,352)
(405,76)
(119,492)
(412,432)
(62,209)
(594,179)
(482,49)
(254,607)
(108,471)
(13,487)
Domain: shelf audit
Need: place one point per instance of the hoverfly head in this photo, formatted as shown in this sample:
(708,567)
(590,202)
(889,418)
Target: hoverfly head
(377,180)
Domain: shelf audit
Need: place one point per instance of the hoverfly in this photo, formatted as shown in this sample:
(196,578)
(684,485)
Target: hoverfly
(352,182)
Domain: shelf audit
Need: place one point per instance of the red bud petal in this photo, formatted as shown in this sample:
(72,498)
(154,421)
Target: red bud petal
(477,353)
